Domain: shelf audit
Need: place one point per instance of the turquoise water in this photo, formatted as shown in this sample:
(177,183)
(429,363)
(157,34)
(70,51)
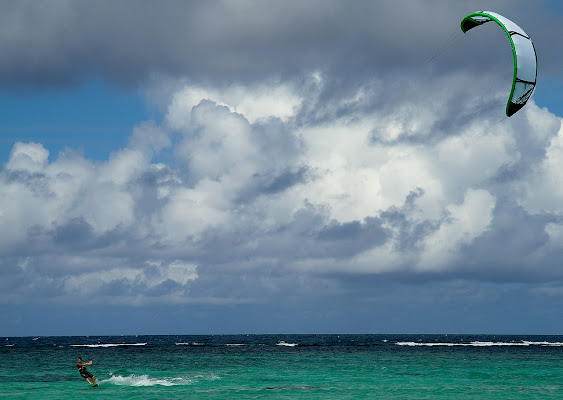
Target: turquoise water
(285,367)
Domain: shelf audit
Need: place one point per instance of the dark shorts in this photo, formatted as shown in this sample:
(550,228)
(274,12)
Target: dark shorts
(85,374)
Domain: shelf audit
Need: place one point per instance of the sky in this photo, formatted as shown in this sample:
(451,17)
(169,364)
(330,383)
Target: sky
(319,166)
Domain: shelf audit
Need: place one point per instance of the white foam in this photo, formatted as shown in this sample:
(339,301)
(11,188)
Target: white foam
(413,344)
(554,344)
(190,344)
(108,344)
(479,344)
(282,343)
(144,380)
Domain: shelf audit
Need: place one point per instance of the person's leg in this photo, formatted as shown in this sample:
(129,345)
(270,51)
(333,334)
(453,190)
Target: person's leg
(88,379)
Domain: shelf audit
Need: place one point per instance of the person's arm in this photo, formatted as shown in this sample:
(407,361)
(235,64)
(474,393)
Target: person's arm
(83,364)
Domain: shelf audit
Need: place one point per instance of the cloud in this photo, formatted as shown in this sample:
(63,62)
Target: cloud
(544,194)
(149,138)
(464,223)
(66,43)
(264,203)
(319,162)
(27,157)
(269,100)
(132,284)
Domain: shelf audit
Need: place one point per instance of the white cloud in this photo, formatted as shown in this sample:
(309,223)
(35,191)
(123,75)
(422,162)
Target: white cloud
(256,103)
(542,191)
(469,160)
(123,167)
(28,157)
(555,232)
(356,179)
(463,224)
(189,212)
(355,189)
(179,272)
(149,138)
(39,194)
(220,143)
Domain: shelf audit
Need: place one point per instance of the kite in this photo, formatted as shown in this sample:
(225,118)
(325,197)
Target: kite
(525,58)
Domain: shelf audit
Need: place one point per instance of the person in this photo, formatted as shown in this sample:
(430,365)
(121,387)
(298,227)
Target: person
(85,374)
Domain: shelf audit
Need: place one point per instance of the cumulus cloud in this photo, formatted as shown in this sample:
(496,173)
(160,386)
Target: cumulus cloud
(250,201)
(463,224)
(543,193)
(264,101)
(27,157)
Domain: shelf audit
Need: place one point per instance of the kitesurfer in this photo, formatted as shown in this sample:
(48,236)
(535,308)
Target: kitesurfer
(85,374)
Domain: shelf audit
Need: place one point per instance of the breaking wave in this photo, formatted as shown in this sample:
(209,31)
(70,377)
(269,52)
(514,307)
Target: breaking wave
(282,343)
(479,344)
(108,344)
(189,344)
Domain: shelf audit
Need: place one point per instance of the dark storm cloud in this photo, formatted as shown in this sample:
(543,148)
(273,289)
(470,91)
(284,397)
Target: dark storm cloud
(48,44)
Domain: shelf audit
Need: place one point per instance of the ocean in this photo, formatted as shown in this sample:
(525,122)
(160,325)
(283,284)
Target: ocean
(284,367)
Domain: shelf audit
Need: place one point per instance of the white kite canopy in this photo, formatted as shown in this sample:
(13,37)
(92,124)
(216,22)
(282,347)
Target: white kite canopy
(525,59)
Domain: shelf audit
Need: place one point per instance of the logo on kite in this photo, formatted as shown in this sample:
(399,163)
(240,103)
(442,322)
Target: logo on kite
(525,59)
